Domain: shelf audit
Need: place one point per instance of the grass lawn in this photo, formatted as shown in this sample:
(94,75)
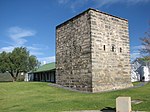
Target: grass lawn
(39,97)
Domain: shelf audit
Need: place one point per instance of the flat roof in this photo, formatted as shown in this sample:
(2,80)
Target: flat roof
(85,12)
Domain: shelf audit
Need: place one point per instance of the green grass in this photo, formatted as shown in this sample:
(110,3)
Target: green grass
(137,83)
(39,97)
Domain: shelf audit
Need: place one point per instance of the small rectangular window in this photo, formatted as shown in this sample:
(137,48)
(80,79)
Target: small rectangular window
(113,48)
(120,49)
(104,47)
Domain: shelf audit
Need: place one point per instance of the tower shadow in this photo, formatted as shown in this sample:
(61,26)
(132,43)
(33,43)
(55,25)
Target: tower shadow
(108,109)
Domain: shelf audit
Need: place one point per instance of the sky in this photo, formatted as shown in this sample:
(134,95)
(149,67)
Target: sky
(32,23)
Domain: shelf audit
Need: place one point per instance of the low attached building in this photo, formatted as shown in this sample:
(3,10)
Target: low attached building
(45,73)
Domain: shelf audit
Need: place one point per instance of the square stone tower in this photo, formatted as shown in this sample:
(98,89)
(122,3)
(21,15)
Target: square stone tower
(92,52)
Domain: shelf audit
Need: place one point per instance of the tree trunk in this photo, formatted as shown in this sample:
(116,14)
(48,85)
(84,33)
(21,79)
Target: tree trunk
(14,79)
(13,76)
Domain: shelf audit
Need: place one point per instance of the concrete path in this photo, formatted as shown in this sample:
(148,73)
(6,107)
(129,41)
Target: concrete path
(141,84)
(98,111)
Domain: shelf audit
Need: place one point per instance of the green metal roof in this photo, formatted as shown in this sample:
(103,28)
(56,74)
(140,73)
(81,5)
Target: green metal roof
(46,67)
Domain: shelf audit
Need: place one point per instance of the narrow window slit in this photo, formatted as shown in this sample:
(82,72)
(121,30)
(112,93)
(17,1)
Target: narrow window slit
(113,48)
(120,49)
(104,47)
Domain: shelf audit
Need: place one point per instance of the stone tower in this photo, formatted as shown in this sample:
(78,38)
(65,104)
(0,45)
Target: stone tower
(92,52)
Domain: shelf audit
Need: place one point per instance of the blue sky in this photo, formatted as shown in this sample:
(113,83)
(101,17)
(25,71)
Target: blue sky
(31,23)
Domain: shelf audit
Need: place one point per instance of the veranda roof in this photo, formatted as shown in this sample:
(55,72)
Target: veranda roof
(46,67)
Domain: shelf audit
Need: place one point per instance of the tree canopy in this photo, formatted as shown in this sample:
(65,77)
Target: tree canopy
(145,50)
(146,43)
(17,61)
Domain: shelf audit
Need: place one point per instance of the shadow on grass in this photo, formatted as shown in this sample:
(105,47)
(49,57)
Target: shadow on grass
(108,109)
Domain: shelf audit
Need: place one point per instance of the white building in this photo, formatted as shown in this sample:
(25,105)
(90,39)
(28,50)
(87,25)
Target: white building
(29,77)
(140,71)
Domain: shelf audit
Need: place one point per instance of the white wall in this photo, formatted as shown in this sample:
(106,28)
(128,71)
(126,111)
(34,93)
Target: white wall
(138,70)
(146,73)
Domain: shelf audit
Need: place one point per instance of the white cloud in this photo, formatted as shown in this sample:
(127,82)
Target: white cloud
(36,53)
(47,59)
(134,55)
(101,3)
(18,34)
(135,48)
(74,4)
(7,49)
(37,49)
(33,50)
(137,1)
(63,1)
(78,3)
(135,52)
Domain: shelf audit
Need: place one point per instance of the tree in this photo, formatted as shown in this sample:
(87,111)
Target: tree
(145,50)
(146,44)
(17,61)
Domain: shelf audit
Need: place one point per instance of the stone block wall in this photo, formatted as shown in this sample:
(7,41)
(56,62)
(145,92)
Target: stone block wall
(92,52)
(73,53)
(110,52)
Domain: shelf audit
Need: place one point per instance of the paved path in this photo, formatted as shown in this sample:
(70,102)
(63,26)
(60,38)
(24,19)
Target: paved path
(98,111)
(141,84)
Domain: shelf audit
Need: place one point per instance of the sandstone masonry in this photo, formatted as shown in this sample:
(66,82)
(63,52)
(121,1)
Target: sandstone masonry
(92,52)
